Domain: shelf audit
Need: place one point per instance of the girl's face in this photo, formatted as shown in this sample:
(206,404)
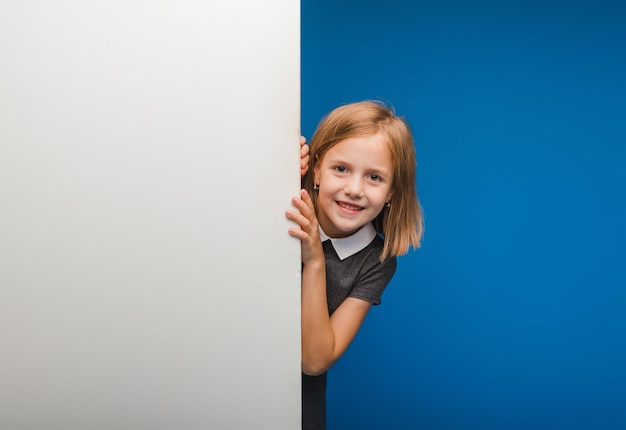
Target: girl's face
(354,179)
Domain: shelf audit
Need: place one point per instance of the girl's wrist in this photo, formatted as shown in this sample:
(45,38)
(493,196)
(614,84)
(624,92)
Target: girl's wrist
(315,263)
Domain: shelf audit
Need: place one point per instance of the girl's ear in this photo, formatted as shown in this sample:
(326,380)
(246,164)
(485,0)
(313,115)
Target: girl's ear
(388,199)
(316,172)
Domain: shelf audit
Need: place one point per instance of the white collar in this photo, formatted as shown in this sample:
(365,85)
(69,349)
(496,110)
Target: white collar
(350,245)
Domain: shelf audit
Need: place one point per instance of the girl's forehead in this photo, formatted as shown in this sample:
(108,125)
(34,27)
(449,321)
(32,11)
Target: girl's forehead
(374,142)
(372,150)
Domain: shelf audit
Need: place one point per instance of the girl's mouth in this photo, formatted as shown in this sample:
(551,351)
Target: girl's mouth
(350,207)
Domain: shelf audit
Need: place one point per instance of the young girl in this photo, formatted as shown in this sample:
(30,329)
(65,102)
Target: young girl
(358,211)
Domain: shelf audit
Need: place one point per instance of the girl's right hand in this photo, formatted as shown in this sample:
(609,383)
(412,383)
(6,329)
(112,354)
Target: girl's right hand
(308,233)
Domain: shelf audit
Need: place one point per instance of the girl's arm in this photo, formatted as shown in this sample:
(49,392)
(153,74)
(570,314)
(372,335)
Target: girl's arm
(324,338)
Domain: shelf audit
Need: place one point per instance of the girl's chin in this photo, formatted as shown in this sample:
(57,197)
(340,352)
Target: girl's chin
(337,232)
(342,226)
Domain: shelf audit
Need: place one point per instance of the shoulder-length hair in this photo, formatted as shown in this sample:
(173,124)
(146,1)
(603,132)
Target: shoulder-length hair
(400,223)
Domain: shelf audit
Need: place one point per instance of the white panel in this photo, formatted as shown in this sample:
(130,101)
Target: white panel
(148,151)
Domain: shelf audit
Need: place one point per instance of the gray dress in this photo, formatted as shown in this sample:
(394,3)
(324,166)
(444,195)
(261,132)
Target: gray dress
(361,275)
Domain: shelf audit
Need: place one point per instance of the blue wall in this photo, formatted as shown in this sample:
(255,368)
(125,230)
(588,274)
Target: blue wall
(513,313)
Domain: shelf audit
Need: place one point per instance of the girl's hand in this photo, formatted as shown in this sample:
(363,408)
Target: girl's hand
(308,233)
(304,156)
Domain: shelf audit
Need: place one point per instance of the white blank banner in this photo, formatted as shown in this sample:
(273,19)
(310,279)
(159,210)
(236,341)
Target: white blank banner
(148,151)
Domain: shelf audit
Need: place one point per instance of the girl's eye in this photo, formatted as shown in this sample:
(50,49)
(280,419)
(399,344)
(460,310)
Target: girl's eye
(375,178)
(341,169)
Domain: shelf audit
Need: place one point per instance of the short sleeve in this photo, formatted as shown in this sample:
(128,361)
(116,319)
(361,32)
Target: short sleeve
(373,279)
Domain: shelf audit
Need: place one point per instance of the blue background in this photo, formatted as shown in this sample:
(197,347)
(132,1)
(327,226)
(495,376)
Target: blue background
(512,315)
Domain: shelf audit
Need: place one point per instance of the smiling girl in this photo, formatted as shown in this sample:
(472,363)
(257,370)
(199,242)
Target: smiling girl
(357,212)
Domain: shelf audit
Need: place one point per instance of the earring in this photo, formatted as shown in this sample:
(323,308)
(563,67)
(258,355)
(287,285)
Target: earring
(316,186)
(388,204)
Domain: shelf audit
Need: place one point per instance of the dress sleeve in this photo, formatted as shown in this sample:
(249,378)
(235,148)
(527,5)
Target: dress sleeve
(373,279)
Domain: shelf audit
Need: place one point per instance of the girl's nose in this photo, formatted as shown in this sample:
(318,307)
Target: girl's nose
(354,188)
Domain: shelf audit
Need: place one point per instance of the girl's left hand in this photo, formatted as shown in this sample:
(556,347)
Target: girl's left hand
(308,233)
(304,156)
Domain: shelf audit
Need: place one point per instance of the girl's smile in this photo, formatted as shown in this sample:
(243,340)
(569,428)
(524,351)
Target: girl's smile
(355,181)
(349,207)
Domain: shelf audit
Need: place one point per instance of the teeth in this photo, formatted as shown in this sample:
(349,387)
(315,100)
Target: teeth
(349,207)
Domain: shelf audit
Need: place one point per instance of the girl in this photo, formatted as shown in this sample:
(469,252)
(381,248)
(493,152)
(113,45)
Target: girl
(358,211)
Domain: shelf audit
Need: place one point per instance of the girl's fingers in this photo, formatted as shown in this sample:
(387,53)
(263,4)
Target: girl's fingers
(299,219)
(302,206)
(305,214)
(307,233)
(298,234)
(304,156)
(306,198)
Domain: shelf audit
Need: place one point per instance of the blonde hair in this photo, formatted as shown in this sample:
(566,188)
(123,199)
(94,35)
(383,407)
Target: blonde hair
(401,223)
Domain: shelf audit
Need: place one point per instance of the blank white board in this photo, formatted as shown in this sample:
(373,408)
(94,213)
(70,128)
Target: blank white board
(148,151)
